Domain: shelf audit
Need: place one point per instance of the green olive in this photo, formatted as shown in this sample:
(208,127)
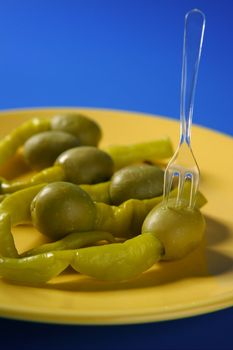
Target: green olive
(136,181)
(61,208)
(85,129)
(86,165)
(180,229)
(41,150)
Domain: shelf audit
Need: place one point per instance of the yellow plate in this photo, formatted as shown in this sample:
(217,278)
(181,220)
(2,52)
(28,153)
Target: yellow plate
(200,283)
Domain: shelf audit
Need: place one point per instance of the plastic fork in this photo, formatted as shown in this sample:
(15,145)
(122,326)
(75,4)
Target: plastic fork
(183,164)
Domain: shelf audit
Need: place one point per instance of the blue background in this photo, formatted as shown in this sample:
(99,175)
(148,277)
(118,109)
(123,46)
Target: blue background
(119,54)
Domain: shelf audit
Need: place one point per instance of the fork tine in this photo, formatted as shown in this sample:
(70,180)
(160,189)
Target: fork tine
(180,188)
(168,180)
(194,188)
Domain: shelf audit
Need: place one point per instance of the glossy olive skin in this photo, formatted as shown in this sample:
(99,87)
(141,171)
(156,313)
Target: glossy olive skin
(86,165)
(85,129)
(41,150)
(180,229)
(61,208)
(136,181)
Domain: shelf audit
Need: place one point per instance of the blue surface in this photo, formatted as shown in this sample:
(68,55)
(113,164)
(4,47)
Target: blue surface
(118,54)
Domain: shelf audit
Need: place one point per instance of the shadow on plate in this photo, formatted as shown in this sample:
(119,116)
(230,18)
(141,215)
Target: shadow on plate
(218,263)
(216,232)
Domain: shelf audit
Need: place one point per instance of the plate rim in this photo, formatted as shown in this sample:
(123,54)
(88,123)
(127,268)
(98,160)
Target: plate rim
(108,319)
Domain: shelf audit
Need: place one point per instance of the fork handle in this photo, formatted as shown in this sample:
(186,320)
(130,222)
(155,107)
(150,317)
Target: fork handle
(193,37)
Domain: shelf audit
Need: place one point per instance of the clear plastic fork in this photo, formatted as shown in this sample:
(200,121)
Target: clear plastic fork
(183,164)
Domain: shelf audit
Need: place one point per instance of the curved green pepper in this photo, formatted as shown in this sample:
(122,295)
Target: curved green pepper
(98,192)
(119,261)
(74,240)
(10,143)
(47,175)
(17,204)
(124,155)
(35,269)
(7,244)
